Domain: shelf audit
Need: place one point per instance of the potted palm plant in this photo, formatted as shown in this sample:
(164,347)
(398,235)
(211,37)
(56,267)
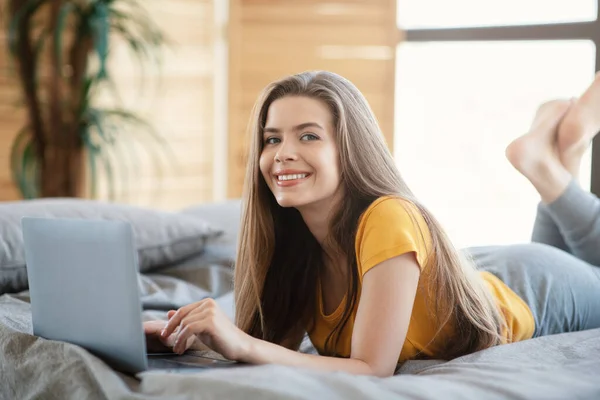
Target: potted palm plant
(60,51)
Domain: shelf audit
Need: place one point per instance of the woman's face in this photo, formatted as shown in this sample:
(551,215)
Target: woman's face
(300,159)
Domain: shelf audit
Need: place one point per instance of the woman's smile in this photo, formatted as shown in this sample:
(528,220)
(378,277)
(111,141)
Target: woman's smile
(288,177)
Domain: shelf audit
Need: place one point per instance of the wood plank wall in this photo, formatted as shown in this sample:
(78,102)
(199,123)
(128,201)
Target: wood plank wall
(178,102)
(269,39)
(266,39)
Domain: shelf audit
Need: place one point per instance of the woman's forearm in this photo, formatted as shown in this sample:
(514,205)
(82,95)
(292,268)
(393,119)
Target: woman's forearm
(262,352)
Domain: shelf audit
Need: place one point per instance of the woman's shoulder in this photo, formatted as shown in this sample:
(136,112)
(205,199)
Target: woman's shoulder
(390,208)
(390,226)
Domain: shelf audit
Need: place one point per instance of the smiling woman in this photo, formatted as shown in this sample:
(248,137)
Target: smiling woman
(299,160)
(335,244)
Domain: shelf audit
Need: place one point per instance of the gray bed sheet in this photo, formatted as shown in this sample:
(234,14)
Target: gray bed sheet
(563,366)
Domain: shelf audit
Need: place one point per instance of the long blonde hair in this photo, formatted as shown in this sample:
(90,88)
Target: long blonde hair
(279,261)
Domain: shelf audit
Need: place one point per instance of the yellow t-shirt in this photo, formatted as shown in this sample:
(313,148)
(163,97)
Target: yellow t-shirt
(391,227)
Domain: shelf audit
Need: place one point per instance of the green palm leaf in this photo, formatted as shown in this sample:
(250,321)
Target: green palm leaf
(100,27)
(92,155)
(19,144)
(59,32)
(29,170)
(24,13)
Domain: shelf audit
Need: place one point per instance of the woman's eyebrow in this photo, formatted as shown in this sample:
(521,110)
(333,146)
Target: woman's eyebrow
(295,128)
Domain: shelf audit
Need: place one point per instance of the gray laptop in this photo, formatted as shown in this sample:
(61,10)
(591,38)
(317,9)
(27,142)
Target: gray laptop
(84,290)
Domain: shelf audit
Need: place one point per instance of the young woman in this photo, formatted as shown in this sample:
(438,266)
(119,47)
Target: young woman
(335,244)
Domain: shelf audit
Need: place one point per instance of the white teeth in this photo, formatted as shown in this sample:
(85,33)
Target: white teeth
(290,177)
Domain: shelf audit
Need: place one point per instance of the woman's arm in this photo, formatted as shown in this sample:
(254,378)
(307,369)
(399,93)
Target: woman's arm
(386,302)
(388,293)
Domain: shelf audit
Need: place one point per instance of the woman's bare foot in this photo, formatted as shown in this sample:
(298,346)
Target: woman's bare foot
(578,128)
(535,154)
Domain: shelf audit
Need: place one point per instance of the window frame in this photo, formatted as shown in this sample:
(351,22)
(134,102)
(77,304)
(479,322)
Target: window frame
(587,30)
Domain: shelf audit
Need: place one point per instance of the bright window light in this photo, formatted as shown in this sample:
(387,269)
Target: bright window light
(415,14)
(458,105)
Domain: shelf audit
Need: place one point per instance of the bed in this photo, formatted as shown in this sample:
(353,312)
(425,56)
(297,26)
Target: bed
(565,366)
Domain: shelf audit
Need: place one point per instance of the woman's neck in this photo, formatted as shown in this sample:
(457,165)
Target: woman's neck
(317,217)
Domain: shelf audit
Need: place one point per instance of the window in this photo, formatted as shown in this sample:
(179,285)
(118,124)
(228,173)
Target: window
(463,94)
(414,14)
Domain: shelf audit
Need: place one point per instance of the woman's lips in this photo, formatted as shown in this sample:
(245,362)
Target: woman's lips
(291,182)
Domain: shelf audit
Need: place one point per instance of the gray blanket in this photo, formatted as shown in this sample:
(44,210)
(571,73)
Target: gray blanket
(563,366)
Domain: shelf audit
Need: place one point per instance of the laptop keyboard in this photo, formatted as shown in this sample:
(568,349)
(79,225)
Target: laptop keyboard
(186,361)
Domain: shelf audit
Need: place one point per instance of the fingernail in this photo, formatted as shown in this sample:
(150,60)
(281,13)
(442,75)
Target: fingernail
(163,332)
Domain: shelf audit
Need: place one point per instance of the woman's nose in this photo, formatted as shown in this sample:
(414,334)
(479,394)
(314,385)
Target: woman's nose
(286,152)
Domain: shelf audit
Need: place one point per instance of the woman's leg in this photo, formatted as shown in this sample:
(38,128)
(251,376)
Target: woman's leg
(577,214)
(562,291)
(550,157)
(545,229)
(535,155)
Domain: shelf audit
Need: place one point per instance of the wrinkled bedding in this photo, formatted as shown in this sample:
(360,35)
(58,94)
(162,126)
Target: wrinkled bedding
(565,366)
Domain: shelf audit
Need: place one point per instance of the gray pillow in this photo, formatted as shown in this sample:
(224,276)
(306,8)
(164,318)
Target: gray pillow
(224,215)
(161,238)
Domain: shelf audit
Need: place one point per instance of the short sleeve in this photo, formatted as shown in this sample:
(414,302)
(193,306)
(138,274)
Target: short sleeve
(388,228)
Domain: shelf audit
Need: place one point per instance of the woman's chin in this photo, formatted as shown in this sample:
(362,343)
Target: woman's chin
(290,201)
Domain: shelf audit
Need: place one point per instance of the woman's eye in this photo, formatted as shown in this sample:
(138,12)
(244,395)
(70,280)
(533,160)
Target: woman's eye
(309,136)
(272,140)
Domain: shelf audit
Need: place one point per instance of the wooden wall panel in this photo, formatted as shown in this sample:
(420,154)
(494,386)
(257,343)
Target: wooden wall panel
(269,39)
(178,102)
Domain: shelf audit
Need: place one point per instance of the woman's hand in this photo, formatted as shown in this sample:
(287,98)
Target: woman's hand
(155,343)
(206,321)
